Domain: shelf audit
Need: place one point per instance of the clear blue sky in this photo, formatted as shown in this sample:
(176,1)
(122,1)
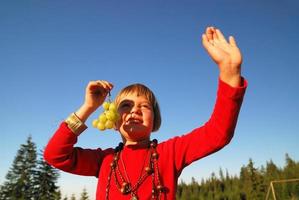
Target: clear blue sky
(49,50)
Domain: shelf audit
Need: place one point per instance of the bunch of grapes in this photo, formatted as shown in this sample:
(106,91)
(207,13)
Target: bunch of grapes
(108,117)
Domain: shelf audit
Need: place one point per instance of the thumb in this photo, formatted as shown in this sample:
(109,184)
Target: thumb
(232,41)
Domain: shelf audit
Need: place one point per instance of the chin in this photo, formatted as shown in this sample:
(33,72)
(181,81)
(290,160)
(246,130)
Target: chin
(134,131)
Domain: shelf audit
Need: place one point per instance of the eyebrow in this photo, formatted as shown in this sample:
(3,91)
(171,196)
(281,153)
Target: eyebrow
(130,101)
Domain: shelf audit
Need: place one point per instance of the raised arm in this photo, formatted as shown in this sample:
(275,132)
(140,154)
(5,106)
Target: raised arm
(60,151)
(219,129)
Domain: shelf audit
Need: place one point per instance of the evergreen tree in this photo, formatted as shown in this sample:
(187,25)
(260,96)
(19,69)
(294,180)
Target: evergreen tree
(185,191)
(19,179)
(290,171)
(272,172)
(257,189)
(73,197)
(57,195)
(179,190)
(244,183)
(84,195)
(45,181)
(195,189)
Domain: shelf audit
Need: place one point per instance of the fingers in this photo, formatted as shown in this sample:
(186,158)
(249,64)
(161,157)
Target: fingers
(106,85)
(210,33)
(206,42)
(220,35)
(100,86)
(214,36)
(210,37)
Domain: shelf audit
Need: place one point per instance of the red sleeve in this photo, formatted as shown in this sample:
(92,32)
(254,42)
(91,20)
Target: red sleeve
(61,153)
(215,133)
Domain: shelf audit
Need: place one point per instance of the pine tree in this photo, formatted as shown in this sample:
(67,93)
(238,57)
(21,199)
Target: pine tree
(84,195)
(19,179)
(57,195)
(272,172)
(185,191)
(256,179)
(195,189)
(290,171)
(45,181)
(73,197)
(245,184)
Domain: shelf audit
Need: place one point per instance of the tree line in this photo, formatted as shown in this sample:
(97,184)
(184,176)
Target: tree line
(251,184)
(31,178)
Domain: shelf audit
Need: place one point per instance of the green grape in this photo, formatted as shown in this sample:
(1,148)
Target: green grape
(103,118)
(112,107)
(95,123)
(106,105)
(110,115)
(101,126)
(109,124)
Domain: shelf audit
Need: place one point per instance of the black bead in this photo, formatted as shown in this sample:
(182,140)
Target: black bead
(116,149)
(121,145)
(154,143)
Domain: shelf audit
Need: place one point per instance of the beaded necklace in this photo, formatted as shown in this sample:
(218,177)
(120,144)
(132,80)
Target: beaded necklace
(124,184)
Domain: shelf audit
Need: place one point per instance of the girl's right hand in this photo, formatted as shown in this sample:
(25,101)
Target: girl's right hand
(96,92)
(95,95)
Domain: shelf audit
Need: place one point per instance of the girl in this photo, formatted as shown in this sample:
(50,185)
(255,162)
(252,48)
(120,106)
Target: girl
(139,168)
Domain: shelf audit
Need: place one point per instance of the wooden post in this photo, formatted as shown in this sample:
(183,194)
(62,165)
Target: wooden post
(271,187)
(273,191)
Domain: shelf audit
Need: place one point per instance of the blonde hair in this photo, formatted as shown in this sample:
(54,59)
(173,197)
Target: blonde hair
(140,89)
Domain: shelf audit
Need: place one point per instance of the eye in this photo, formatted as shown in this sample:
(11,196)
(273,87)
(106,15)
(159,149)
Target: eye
(146,106)
(125,105)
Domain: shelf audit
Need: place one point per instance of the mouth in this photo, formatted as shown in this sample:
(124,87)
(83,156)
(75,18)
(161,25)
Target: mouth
(133,121)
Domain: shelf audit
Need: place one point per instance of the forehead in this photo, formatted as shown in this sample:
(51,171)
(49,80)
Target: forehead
(134,96)
(135,91)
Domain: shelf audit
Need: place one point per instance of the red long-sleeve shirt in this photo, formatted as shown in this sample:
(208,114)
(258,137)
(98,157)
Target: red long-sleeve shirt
(174,154)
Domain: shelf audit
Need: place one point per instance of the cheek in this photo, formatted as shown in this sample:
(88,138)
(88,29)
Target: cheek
(121,119)
(150,118)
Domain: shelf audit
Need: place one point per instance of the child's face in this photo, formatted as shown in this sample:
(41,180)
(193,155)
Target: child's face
(136,118)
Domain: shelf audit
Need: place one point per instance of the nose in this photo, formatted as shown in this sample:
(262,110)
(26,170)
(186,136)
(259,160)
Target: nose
(136,109)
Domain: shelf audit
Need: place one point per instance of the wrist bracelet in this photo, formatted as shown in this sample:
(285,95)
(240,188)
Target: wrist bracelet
(75,124)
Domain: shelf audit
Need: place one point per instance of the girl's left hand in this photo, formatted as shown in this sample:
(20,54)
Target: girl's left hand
(225,54)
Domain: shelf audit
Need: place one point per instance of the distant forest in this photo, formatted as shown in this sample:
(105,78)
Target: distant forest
(251,184)
(31,178)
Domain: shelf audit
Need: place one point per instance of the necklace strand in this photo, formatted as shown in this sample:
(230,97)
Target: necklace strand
(141,178)
(124,185)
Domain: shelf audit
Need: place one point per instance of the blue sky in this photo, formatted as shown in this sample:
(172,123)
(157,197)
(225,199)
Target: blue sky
(51,49)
